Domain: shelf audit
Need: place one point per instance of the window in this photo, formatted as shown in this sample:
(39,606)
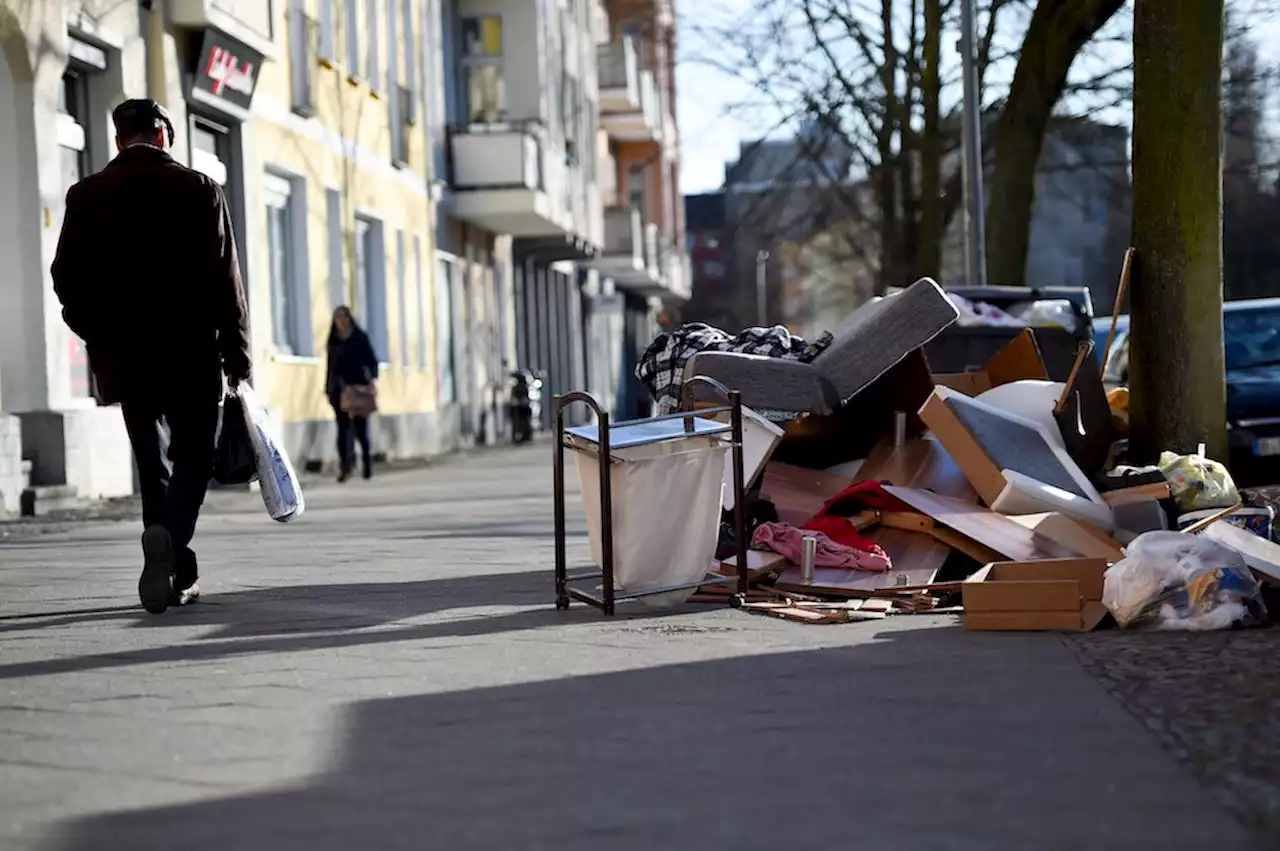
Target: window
(402,292)
(73,104)
(444,331)
(364,272)
(353,38)
(636,189)
(482,69)
(400,100)
(376,81)
(410,77)
(281,250)
(422,303)
(327,48)
(570,116)
(302,34)
(337,262)
(370,303)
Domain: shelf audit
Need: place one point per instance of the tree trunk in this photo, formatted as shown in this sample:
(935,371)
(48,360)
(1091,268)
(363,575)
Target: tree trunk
(930,244)
(1176,362)
(1059,28)
(890,243)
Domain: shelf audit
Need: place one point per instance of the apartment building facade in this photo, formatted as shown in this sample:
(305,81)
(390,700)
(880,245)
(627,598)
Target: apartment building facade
(440,166)
(644,255)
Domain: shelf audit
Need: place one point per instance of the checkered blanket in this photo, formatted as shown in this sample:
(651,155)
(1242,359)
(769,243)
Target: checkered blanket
(661,367)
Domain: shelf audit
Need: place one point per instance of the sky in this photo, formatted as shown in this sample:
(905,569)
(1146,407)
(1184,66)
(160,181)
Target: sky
(710,133)
(709,138)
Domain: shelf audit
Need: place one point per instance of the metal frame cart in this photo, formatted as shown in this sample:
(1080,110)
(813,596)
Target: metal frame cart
(678,426)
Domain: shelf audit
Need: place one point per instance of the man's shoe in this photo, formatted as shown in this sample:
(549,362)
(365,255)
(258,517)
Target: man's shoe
(368,470)
(155,585)
(186,596)
(344,474)
(186,572)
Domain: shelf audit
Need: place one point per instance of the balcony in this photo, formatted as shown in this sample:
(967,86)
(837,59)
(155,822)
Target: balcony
(506,179)
(638,121)
(619,76)
(624,247)
(642,261)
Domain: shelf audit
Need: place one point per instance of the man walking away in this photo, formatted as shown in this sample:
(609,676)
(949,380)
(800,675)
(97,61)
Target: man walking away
(148,277)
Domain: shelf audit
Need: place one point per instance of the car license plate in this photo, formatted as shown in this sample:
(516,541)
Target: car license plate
(1266,446)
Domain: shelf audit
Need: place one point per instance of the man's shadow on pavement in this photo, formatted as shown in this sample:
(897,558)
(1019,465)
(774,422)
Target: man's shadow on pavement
(317,617)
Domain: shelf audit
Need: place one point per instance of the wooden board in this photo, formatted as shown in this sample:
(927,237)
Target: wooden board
(1081,537)
(920,463)
(916,558)
(992,530)
(759,563)
(799,493)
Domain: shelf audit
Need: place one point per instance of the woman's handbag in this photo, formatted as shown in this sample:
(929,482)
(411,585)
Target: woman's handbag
(359,400)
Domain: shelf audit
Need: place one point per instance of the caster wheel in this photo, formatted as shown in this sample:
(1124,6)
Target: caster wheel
(562,603)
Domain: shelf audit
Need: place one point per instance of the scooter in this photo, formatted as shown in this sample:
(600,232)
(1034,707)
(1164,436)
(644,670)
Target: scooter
(524,404)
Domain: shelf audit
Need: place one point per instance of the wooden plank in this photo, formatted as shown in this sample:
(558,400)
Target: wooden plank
(988,528)
(916,558)
(798,493)
(759,562)
(974,550)
(1081,537)
(921,463)
(1138,493)
(909,521)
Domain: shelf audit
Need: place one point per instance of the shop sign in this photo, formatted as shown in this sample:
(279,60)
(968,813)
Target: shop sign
(227,69)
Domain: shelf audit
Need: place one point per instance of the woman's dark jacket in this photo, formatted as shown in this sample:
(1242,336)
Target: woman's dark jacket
(351,361)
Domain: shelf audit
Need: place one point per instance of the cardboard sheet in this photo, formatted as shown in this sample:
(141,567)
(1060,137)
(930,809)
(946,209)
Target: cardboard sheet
(1019,360)
(1054,594)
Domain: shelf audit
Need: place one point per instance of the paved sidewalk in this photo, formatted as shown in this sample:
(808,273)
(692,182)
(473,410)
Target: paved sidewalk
(388,672)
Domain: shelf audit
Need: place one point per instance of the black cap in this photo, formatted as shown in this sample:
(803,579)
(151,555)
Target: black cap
(140,116)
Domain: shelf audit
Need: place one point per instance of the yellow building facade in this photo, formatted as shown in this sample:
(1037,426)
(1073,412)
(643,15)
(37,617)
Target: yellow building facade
(338,212)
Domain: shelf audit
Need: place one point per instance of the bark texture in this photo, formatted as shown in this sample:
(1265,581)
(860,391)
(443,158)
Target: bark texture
(1176,362)
(1058,30)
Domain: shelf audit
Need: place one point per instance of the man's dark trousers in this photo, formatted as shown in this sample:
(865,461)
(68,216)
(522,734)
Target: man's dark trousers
(172,499)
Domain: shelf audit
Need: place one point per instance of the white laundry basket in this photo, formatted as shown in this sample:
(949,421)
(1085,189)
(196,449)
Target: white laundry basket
(666,513)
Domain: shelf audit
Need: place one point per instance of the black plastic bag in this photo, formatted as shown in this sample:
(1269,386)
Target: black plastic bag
(234,461)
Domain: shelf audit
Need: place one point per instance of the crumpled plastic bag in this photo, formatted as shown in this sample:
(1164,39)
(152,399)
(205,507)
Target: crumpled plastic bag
(1197,483)
(234,460)
(1174,581)
(281,492)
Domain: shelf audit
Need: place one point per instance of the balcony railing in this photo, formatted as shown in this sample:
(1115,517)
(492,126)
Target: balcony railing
(496,156)
(624,233)
(618,64)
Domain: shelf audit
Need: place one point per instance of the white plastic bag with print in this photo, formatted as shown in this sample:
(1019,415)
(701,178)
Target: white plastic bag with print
(281,492)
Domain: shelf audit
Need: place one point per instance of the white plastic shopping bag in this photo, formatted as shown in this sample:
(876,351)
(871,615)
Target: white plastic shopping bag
(281,492)
(666,513)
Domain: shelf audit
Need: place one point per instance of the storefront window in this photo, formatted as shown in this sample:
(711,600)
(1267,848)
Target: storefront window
(73,102)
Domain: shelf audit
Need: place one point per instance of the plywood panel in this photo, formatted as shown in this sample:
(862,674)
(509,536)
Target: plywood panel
(988,528)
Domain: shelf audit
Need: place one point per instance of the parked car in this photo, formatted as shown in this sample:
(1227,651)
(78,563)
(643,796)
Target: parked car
(1102,329)
(1251,342)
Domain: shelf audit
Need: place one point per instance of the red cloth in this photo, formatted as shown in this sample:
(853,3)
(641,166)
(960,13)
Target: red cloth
(787,541)
(850,501)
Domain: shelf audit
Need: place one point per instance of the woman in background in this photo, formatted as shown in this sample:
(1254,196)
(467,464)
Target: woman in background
(352,389)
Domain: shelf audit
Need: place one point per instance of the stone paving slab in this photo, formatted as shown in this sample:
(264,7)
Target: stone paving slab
(388,672)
